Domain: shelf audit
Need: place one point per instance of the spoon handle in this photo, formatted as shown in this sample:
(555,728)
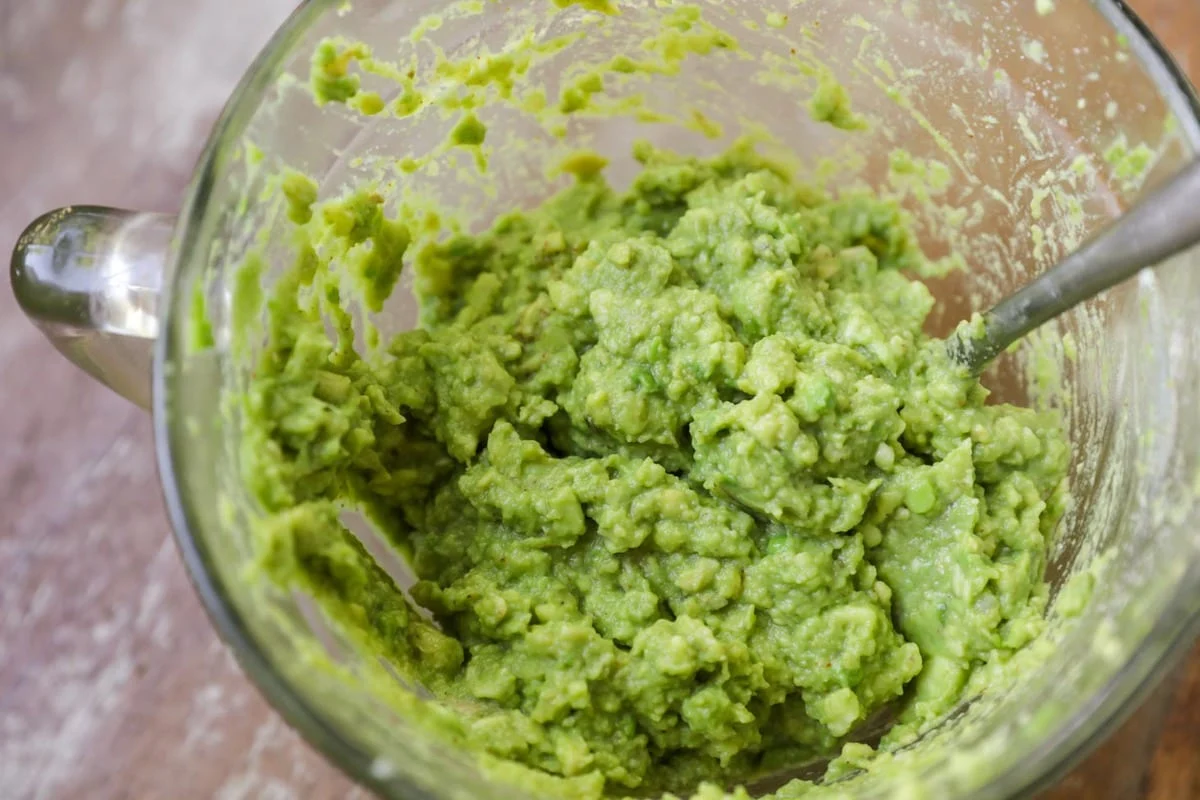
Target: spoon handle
(1160,225)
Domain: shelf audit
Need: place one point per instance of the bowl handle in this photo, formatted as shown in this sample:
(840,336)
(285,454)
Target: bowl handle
(90,278)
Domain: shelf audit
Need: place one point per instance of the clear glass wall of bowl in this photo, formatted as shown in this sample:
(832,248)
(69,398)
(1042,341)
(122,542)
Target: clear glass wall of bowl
(1012,102)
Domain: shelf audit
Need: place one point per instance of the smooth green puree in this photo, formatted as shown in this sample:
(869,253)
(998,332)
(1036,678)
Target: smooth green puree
(688,492)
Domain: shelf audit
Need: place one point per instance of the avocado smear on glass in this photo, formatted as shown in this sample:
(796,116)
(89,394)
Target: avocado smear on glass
(688,492)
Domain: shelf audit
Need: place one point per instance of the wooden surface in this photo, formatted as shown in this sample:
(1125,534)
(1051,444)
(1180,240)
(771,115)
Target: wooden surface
(112,683)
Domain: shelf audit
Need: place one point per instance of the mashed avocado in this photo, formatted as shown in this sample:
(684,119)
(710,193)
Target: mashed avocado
(688,492)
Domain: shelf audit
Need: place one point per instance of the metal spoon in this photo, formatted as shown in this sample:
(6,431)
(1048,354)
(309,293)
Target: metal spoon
(1164,223)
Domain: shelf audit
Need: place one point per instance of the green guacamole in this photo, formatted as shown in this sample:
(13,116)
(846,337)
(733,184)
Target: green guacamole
(689,495)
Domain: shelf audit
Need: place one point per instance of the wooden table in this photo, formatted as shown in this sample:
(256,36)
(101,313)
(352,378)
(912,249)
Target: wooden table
(112,683)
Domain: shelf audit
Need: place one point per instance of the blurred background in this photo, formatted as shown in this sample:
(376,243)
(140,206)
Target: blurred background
(112,683)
